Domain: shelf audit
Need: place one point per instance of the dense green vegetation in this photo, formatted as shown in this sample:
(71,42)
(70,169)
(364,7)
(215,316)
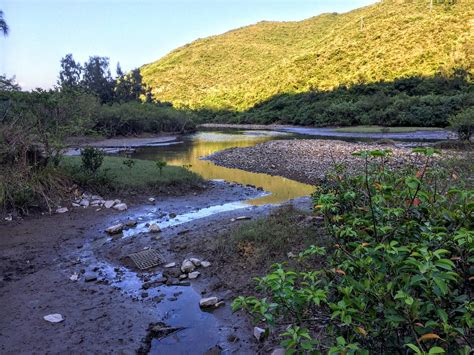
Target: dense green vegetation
(398,275)
(384,42)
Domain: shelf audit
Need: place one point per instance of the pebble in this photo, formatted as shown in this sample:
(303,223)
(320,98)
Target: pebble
(120,207)
(194,275)
(54,318)
(205,264)
(62,210)
(169,265)
(154,228)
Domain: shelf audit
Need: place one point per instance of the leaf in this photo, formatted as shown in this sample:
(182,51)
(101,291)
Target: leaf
(361,331)
(429,336)
(436,350)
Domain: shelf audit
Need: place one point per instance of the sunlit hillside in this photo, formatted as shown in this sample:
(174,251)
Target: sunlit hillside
(389,40)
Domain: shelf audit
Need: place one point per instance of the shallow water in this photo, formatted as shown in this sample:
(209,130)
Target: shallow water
(192,148)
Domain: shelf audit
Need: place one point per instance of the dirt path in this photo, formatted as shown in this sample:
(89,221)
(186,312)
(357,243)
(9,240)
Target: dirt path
(113,313)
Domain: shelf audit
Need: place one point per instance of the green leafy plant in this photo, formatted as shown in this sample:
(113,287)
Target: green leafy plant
(399,274)
(463,124)
(129,163)
(92,159)
(160,164)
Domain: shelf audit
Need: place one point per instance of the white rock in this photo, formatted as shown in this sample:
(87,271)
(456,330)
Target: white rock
(109,203)
(9,218)
(151,199)
(120,207)
(74,277)
(75,204)
(183,276)
(194,275)
(96,197)
(154,228)
(170,265)
(85,203)
(115,229)
(54,318)
(208,302)
(258,333)
(62,210)
(96,202)
(205,264)
(187,266)
(195,261)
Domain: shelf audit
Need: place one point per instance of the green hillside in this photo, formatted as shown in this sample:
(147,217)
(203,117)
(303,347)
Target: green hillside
(382,42)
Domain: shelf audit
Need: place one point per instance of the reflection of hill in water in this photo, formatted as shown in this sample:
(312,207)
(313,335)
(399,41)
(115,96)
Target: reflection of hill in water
(204,144)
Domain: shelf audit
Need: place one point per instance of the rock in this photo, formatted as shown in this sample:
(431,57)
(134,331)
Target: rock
(259,333)
(183,276)
(151,200)
(120,207)
(74,277)
(109,203)
(116,229)
(75,204)
(131,223)
(194,275)
(154,228)
(97,202)
(84,203)
(205,264)
(241,218)
(90,276)
(290,255)
(169,265)
(62,210)
(172,215)
(208,302)
(187,266)
(54,318)
(278,351)
(97,197)
(218,304)
(195,261)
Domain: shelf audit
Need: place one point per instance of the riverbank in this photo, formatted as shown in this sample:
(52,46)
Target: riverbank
(305,160)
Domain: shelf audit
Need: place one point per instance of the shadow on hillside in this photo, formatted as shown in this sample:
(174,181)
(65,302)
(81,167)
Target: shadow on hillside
(414,101)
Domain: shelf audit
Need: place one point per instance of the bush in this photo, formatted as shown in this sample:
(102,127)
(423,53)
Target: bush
(463,123)
(399,276)
(92,159)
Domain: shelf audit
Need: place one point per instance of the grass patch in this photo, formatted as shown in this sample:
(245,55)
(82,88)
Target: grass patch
(269,239)
(381,129)
(142,176)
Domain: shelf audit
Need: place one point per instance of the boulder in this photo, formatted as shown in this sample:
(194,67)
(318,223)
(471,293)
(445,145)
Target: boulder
(259,333)
(115,229)
(154,228)
(62,210)
(205,264)
(193,275)
(195,261)
(120,207)
(208,302)
(109,203)
(187,266)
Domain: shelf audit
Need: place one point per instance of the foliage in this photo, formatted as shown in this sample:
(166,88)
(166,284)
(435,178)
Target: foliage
(135,118)
(399,276)
(3,24)
(463,123)
(242,68)
(92,159)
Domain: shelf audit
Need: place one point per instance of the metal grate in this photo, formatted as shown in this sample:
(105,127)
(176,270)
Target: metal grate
(147,258)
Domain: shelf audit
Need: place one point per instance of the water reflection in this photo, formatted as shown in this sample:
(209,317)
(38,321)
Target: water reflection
(202,144)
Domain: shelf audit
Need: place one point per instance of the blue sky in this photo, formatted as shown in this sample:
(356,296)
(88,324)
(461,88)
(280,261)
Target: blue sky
(133,32)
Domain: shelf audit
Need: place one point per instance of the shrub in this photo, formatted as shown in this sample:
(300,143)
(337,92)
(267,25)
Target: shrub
(92,159)
(463,123)
(399,275)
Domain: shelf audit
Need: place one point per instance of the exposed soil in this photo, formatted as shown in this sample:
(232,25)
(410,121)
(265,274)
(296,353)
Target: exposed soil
(115,313)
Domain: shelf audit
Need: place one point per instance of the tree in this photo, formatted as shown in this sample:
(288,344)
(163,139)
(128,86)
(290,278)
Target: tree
(129,86)
(8,84)
(70,74)
(97,78)
(3,25)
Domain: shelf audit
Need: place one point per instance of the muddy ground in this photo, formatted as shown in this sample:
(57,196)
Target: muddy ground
(115,312)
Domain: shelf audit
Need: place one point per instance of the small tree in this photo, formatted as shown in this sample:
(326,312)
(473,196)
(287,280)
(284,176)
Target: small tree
(92,159)
(160,164)
(3,25)
(463,124)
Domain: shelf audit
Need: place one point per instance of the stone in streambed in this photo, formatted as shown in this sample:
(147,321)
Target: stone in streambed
(90,276)
(208,302)
(195,261)
(115,229)
(109,203)
(120,207)
(62,210)
(194,275)
(154,228)
(205,264)
(187,266)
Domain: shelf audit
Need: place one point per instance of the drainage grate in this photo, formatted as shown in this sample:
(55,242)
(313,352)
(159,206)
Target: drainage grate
(147,258)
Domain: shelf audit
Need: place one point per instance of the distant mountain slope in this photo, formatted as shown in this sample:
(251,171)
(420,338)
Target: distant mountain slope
(386,41)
